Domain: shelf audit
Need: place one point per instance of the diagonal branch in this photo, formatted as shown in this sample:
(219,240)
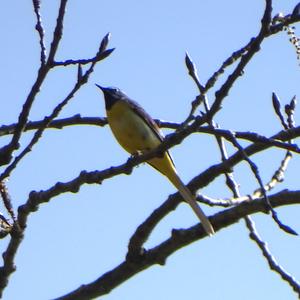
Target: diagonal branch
(274,265)
(6,151)
(179,239)
(38,134)
(245,59)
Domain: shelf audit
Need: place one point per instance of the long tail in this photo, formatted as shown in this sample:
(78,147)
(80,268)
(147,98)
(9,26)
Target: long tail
(189,198)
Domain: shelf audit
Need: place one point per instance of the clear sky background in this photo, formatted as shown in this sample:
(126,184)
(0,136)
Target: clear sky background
(77,237)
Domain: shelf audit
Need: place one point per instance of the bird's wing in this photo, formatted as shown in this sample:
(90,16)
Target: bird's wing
(148,120)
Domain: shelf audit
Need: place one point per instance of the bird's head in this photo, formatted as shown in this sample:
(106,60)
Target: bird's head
(111,95)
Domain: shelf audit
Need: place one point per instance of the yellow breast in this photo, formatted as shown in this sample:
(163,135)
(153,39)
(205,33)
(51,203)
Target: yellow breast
(132,133)
(135,135)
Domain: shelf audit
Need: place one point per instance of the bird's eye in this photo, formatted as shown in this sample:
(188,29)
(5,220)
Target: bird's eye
(114,90)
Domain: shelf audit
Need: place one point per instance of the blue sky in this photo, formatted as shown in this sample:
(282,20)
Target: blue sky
(77,237)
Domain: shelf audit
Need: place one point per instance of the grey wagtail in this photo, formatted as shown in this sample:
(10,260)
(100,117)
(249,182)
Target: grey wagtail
(137,132)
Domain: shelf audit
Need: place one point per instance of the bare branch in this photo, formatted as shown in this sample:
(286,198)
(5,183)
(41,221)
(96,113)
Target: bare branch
(273,264)
(136,242)
(276,178)
(56,124)
(58,32)
(6,151)
(48,119)
(7,203)
(277,108)
(180,238)
(40,29)
(138,258)
(97,58)
(253,48)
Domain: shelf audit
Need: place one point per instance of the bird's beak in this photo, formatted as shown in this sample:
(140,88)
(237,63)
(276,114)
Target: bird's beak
(103,89)
(100,87)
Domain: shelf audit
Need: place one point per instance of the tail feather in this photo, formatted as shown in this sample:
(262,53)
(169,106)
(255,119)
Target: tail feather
(189,198)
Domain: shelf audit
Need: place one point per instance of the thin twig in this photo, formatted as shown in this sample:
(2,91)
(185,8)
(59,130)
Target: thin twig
(276,178)
(6,151)
(254,47)
(277,109)
(273,264)
(40,29)
(255,171)
(70,62)
(7,202)
(38,134)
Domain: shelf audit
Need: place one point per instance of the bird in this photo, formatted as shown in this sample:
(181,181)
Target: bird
(137,132)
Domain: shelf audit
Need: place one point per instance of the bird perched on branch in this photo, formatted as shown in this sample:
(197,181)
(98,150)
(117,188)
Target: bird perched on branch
(137,132)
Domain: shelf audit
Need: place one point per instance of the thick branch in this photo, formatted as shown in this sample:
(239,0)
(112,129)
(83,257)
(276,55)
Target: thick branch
(179,239)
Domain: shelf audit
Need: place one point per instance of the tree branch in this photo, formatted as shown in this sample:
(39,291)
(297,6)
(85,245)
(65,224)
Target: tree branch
(179,239)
